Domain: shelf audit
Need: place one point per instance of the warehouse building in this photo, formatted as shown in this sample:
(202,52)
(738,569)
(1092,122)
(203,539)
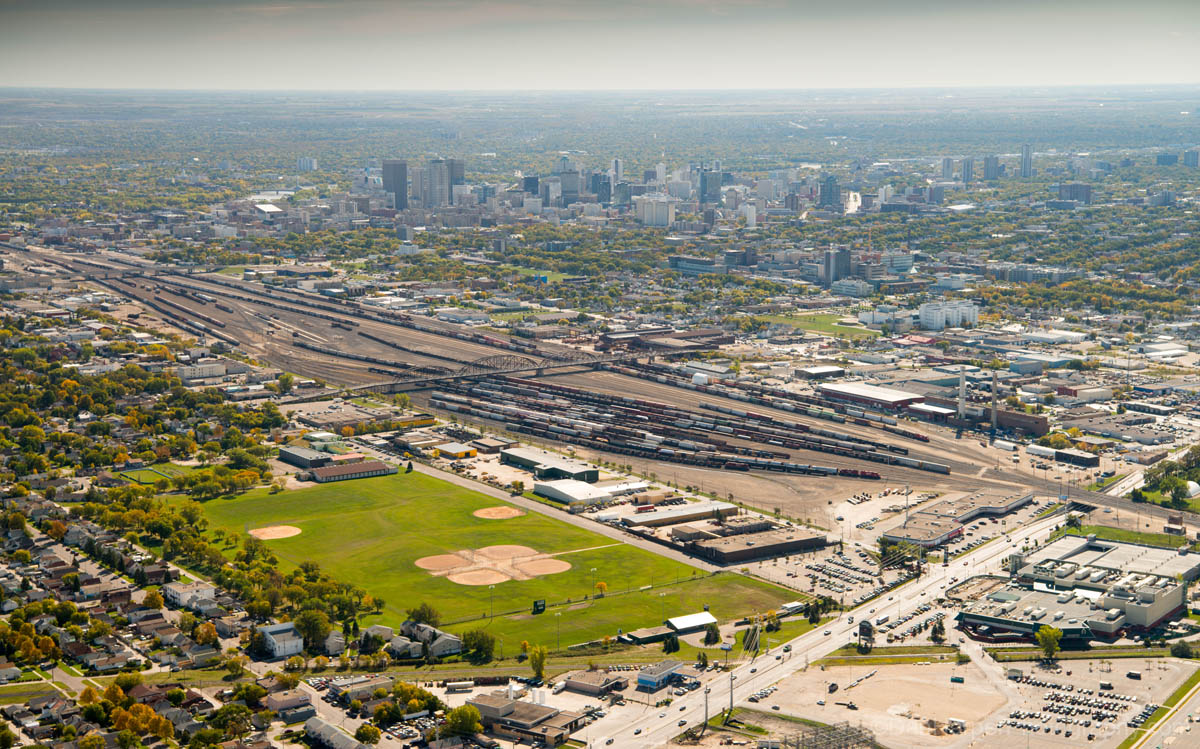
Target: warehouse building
(303,457)
(547,465)
(870,395)
(685,625)
(576,495)
(364,470)
(685,513)
(455,450)
(745,547)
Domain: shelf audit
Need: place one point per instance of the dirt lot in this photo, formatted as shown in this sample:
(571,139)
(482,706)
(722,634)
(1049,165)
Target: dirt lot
(896,702)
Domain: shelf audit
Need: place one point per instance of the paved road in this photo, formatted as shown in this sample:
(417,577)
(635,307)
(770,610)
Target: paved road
(748,678)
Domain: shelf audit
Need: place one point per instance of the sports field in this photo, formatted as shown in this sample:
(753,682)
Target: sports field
(371,532)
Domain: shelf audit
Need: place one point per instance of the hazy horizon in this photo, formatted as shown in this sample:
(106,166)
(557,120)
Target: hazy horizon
(580,45)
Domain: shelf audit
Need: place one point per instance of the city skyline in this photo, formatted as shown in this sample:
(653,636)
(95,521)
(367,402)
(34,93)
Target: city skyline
(583,45)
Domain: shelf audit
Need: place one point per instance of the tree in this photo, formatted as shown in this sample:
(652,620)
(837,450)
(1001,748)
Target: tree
(425,614)
(479,644)
(314,627)
(1048,639)
(463,721)
(367,734)
(671,644)
(601,589)
(1181,649)
(232,719)
(712,634)
(153,600)
(537,661)
(92,741)
(205,634)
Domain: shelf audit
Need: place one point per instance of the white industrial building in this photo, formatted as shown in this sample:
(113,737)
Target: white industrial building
(575,494)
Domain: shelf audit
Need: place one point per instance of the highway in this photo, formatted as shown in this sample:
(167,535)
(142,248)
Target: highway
(649,729)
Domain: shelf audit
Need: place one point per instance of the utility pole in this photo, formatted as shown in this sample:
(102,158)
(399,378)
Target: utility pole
(730,715)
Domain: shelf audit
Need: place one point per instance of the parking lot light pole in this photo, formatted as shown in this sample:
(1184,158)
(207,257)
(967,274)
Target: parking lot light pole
(491,601)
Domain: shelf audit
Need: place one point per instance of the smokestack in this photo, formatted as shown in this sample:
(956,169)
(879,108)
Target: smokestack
(962,392)
(994,397)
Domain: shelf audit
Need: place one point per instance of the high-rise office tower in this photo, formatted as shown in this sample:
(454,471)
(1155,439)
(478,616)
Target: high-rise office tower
(602,187)
(991,168)
(1026,161)
(1191,158)
(831,193)
(837,265)
(437,184)
(456,171)
(968,169)
(618,170)
(306,164)
(947,168)
(710,187)
(395,181)
(530,184)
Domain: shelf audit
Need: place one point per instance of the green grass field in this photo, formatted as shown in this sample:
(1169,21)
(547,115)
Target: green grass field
(826,324)
(370,532)
(1121,534)
(156,472)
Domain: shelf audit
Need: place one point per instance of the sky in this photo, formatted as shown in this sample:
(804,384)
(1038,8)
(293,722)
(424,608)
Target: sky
(595,44)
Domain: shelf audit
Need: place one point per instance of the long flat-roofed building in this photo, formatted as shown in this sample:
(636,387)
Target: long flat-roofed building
(870,395)
(547,465)
(943,521)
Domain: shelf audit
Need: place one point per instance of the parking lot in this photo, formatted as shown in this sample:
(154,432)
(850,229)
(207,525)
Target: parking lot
(850,576)
(1087,703)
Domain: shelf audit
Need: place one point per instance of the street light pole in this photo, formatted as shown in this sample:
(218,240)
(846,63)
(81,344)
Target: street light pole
(704,725)
(558,630)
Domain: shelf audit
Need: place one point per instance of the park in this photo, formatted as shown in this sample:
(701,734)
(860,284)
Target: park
(375,531)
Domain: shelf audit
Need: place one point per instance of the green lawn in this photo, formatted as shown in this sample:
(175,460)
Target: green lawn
(155,472)
(1120,534)
(1102,483)
(10,695)
(371,532)
(825,323)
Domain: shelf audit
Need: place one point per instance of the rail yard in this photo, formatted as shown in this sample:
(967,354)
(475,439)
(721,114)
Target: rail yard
(731,439)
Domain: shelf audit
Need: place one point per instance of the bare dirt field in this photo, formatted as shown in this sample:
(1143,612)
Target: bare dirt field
(477,577)
(500,512)
(275,531)
(492,564)
(506,551)
(896,702)
(441,562)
